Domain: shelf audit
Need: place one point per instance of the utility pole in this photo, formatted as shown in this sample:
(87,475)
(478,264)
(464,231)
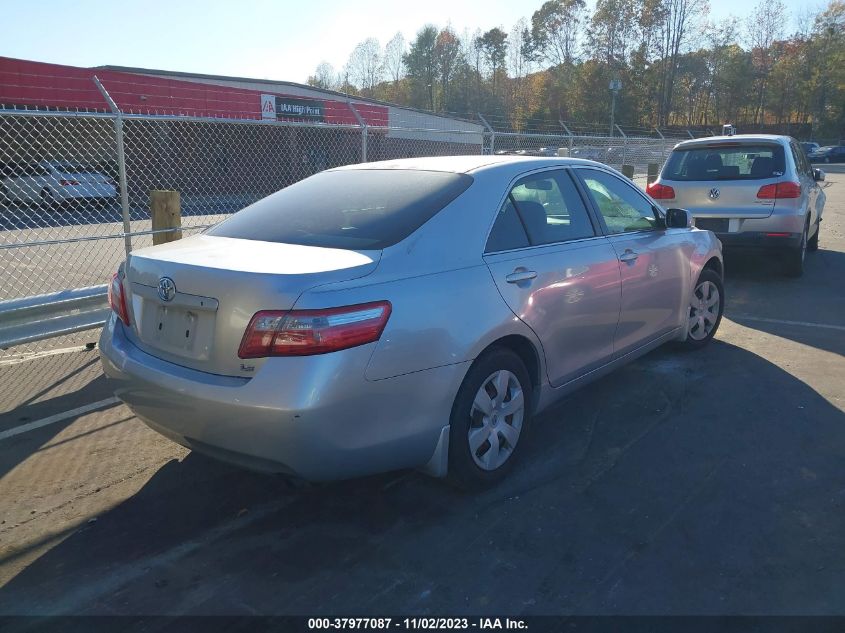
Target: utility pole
(615,87)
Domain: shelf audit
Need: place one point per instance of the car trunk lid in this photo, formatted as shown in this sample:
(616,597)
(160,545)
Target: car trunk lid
(723,198)
(190,301)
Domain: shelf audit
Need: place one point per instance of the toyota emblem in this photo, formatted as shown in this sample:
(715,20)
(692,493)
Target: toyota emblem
(714,193)
(166,289)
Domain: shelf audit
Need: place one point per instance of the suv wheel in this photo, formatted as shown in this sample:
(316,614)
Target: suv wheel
(705,310)
(813,243)
(47,199)
(795,257)
(490,416)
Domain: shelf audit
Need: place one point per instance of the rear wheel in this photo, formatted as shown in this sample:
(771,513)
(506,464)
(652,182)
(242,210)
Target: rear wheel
(796,256)
(47,199)
(489,417)
(705,310)
(813,242)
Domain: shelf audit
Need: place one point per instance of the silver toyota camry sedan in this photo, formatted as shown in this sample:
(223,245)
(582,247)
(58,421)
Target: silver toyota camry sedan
(406,314)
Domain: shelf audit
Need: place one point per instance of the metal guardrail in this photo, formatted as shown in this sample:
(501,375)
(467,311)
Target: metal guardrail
(40,317)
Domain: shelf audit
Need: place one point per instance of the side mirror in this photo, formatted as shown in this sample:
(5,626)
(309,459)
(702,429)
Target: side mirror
(818,175)
(678,219)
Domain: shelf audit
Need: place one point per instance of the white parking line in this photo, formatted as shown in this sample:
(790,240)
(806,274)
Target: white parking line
(30,356)
(826,326)
(58,417)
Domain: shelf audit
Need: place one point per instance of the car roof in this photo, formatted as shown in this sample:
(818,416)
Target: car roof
(469,164)
(735,138)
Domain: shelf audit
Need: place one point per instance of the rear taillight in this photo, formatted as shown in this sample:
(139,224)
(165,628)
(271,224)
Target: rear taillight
(117,300)
(780,190)
(660,192)
(308,332)
(68,183)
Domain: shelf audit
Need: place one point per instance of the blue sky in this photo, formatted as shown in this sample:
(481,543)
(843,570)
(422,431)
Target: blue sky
(256,38)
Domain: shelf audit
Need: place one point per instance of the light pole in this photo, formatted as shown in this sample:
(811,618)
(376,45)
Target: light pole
(615,87)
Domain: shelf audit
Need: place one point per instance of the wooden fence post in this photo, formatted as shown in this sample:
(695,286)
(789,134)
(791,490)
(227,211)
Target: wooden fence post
(628,171)
(652,173)
(166,213)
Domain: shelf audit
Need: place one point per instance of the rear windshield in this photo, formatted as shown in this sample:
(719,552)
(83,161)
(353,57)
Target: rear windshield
(725,162)
(70,168)
(353,209)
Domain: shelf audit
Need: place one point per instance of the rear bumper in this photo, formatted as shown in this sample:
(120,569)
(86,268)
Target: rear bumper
(775,232)
(315,417)
(760,240)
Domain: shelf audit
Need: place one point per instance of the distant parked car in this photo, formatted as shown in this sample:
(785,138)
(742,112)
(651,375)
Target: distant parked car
(809,147)
(598,154)
(755,191)
(544,152)
(829,154)
(52,182)
(633,154)
(415,313)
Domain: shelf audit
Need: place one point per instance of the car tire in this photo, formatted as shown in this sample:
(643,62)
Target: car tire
(795,257)
(702,329)
(496,379)
(813,242)
(47,199)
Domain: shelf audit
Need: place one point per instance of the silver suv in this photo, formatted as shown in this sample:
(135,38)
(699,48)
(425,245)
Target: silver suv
(751,190)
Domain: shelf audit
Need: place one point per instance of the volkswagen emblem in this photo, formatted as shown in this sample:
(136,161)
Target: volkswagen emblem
(166,289)
(714,193)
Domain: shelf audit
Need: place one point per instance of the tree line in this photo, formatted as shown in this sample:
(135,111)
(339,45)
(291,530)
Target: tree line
(677,66)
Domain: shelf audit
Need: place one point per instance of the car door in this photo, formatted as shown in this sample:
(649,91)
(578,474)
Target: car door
(556,272)
(31,182)
(654,268)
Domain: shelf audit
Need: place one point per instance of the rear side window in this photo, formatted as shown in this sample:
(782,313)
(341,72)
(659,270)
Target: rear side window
(70,168)
(353,209)
(802,165)
(507,232)
(725,162)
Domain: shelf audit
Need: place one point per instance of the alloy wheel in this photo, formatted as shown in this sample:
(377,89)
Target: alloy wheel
(496,419)
(704,310)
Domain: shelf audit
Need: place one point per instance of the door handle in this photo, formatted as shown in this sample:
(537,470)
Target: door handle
(628,256)
(520,274)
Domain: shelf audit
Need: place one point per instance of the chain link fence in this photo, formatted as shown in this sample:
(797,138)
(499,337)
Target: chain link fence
(75,187)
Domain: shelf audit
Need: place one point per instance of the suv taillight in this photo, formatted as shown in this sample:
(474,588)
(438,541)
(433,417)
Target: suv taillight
(780,190)
(660,192)
(117,300)
(309,332)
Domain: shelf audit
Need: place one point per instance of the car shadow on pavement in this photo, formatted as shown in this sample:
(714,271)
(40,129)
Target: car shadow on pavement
(35,390)
(705,483)
(808,310)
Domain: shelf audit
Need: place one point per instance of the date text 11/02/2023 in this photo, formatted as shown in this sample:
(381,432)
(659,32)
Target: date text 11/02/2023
(421,623)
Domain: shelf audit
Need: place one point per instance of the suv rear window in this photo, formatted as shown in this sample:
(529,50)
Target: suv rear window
(725,162)
(354,209)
